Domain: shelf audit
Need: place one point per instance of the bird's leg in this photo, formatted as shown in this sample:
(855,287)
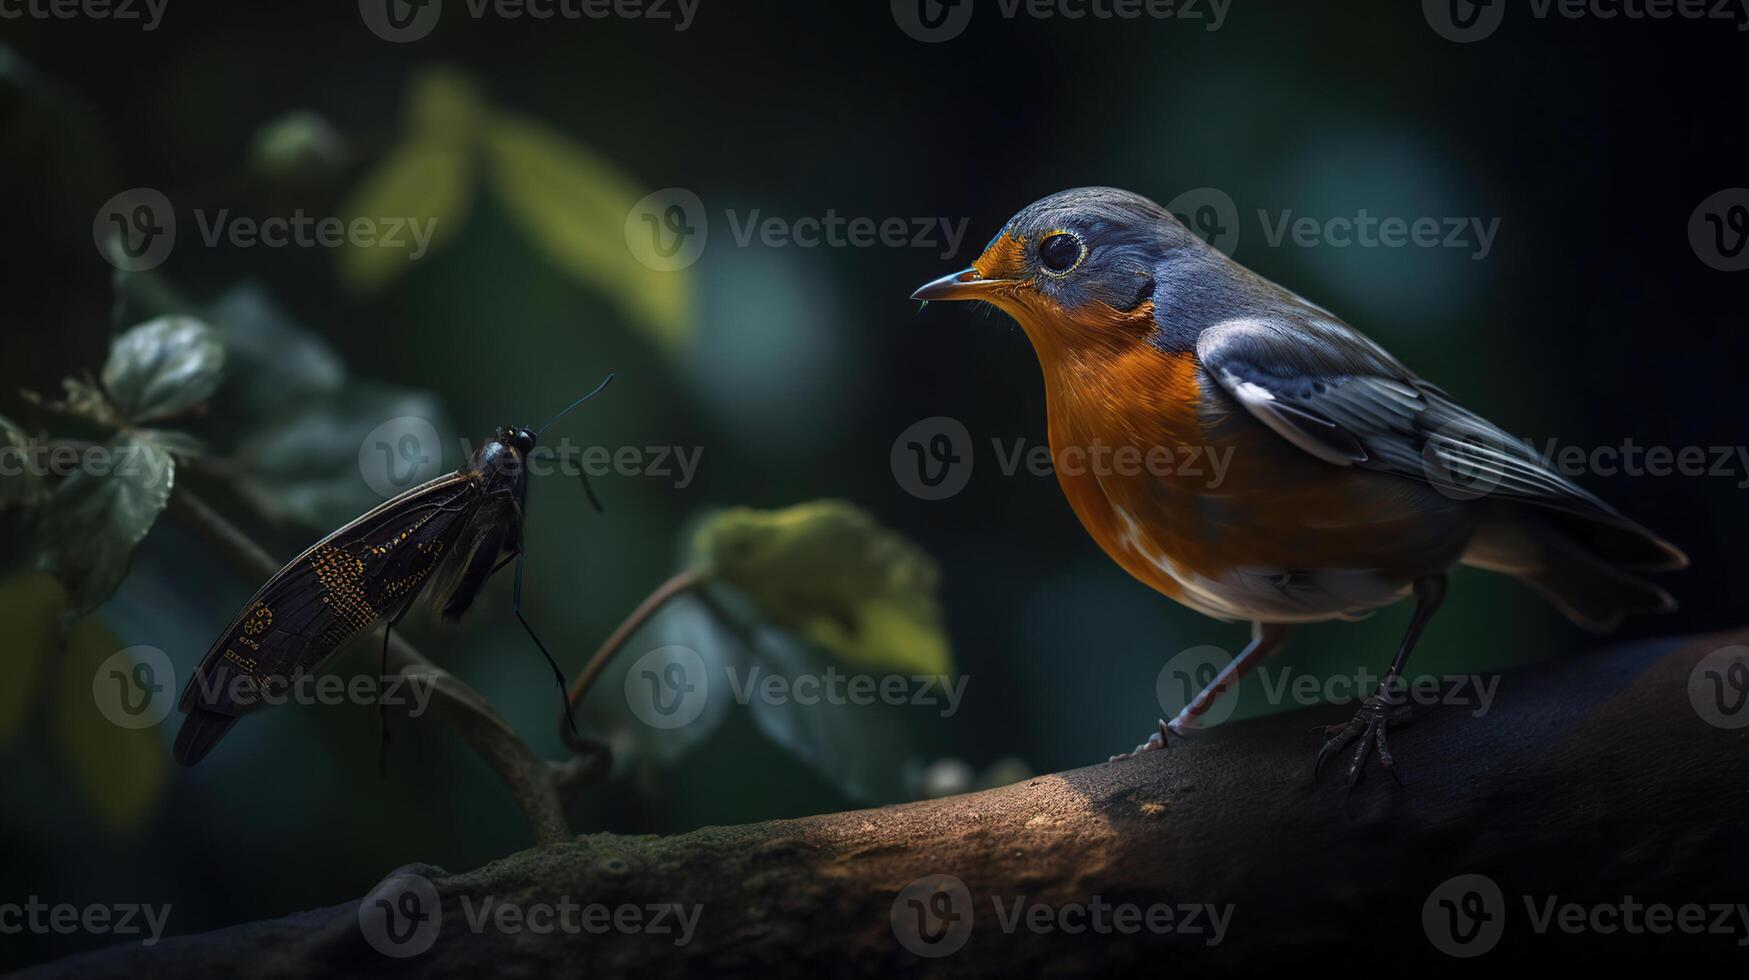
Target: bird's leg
(1384,707)
(1266,638)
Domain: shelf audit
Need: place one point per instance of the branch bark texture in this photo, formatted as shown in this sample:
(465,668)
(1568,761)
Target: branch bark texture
(1593,778)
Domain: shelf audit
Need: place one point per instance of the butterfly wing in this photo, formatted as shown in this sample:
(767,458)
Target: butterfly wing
(369,569)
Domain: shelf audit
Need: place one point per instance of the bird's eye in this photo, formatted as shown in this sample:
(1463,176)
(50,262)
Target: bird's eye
(1061,252)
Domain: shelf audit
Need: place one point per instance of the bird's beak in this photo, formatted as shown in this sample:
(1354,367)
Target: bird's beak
(964,284)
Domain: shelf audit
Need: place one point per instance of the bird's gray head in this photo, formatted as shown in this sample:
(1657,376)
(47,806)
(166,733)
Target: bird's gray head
(1084,258)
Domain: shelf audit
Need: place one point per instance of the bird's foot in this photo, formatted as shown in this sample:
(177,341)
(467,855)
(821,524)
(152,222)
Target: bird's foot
(1366,732)
(1155,742)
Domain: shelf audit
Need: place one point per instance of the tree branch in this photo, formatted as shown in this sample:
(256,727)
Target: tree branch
(1592,778)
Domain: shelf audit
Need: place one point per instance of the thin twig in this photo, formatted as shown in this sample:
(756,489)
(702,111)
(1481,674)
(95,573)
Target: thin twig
(525,773)
(682,583)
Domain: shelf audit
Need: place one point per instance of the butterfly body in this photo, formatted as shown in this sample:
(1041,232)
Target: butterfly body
(442,539)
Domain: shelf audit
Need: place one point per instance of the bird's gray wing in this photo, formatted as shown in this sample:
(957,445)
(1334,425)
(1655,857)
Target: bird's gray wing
(1332,392)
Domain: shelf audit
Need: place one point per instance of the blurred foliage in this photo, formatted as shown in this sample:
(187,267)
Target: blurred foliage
(830,574)
(570,202)
(121,771)
(30,606)
(162,368)
(300,146)
(817,590)
(19,486)
(101,511)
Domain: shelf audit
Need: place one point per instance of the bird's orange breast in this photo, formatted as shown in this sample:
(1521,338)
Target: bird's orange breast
(1118,422)
(1191,497)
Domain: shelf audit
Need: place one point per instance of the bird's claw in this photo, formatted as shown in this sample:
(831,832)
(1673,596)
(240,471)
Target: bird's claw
(1155,742)
(1366,732)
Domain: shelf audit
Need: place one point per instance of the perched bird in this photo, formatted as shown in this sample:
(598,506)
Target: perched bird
(1350,482)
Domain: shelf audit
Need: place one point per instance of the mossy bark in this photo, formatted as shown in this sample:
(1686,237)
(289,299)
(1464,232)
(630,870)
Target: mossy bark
(1592,778)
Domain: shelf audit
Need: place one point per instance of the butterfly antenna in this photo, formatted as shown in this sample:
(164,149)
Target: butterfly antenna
(568,408)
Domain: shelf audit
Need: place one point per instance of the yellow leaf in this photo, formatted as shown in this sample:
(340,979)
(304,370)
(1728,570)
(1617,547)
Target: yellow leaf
(826,571)
(122,770)
(418,196)
(444,102)
(30,606)
(416,200)
(573,206)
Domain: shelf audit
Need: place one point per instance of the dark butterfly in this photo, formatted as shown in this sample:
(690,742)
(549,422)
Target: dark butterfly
(444,538)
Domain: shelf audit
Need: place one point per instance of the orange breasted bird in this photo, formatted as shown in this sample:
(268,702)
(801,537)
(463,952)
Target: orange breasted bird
(1351,481)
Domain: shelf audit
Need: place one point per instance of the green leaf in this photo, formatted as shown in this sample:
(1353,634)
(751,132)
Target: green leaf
(425,183)
(95,518)
(173,441)
(298,146)
(30,606)
(826,571)
(572,204)
(860,748)
(305,466)
(445,102)
(274,360)
(122,771)
(428,178)
(19,483)
(163,367)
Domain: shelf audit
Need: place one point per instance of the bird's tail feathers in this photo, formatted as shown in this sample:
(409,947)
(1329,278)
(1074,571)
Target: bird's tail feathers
(1588,588)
